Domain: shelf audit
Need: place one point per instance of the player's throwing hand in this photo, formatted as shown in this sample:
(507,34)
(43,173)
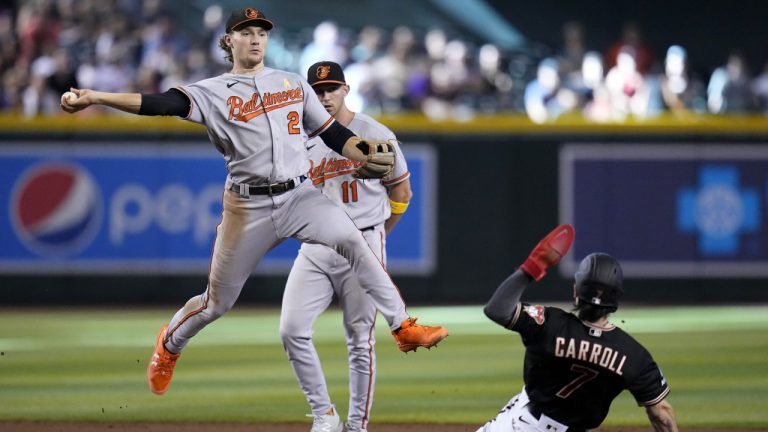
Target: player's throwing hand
(76,100)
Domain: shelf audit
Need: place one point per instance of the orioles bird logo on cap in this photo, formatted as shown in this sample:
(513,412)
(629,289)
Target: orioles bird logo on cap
(251,13)
(323,71)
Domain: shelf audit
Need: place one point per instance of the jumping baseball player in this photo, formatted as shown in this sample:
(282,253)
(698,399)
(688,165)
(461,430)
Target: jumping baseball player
(575,364)
(374,206)
(258,119)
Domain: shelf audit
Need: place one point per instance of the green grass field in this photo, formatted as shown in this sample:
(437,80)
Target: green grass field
(89,365)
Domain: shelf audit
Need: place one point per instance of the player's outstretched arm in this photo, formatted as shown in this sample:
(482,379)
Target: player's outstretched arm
(547,253)
(662,417)
(503,304)
(128,102)
(171,103)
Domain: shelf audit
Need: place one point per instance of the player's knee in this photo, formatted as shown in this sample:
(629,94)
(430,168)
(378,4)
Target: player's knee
(292,332)
(350,244)
(218,308)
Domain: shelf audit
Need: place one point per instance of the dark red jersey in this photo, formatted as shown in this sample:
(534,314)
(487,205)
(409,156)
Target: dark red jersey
(574,370)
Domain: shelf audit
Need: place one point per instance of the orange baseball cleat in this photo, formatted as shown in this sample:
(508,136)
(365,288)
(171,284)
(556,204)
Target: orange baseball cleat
(161,364)
(549,251)
(410,335)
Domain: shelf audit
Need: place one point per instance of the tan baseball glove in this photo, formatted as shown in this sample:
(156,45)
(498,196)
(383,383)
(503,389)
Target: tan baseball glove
(380,157)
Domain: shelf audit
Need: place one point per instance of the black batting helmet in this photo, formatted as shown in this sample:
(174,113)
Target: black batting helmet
(599,281)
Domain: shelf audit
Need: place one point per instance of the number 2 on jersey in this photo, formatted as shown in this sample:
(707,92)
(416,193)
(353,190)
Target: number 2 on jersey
(585,375)
(349,190)
(293,122)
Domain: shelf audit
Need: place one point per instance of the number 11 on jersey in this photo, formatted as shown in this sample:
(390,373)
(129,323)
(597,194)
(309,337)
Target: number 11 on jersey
(349,191)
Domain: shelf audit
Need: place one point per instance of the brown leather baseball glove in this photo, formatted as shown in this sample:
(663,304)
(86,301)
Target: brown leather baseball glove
(380,159)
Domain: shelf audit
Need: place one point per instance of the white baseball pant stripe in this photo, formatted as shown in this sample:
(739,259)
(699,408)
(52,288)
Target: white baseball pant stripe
(251,227)
(514,417)
(317,274)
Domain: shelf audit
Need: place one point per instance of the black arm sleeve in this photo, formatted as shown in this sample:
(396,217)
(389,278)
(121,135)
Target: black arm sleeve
(336,136)
(501,307)
(171,103)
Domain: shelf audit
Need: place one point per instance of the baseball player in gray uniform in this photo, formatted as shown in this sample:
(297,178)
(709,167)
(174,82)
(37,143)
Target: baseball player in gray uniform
(374,206)
(258,118)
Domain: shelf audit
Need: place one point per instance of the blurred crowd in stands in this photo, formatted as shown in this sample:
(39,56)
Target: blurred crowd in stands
(48,46)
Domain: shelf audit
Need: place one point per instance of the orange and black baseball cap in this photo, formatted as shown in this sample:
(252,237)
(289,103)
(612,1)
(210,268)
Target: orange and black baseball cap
(325,73)
(250,16)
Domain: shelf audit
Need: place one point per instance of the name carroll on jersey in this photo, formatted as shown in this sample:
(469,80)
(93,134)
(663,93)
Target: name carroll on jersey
(590,352)
(240,111)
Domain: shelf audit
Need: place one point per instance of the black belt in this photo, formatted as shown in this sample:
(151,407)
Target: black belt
(370,228)
(537,412)
(270,189)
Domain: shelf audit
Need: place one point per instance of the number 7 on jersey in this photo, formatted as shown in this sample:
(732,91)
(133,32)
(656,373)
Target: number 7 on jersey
(585,375)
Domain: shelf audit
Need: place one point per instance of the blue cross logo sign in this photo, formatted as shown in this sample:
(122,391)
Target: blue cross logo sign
(718,210)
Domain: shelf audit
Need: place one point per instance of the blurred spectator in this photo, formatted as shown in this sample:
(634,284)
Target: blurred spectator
(213,26)
(47,46)
(368,44)
(362,86)
(36,29)
(495,85)
(626,87)
(13,82)
(760,90)
(588,85)
(360,75)
(632,36)
(681,91)
(325,46)
(586,78)
(7,42)
(573,49)
(729,89)
(162,46)
(545,98)
(393,72)
(449,80)
(62,77)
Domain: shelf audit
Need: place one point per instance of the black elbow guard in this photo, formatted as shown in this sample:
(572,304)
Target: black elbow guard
(335,136)
(171,103)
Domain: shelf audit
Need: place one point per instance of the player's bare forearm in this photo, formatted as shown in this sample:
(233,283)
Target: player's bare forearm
(662,417)
(400,193)
(128,102)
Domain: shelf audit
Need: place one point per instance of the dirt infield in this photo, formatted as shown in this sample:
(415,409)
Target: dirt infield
(271,427)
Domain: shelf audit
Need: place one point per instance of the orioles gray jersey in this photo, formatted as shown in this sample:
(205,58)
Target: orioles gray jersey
(319,272)
(259,122)
(365,201)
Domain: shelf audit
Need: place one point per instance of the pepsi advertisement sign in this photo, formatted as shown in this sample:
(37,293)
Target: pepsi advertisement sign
(668,210)
(152,209)
(56,209)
